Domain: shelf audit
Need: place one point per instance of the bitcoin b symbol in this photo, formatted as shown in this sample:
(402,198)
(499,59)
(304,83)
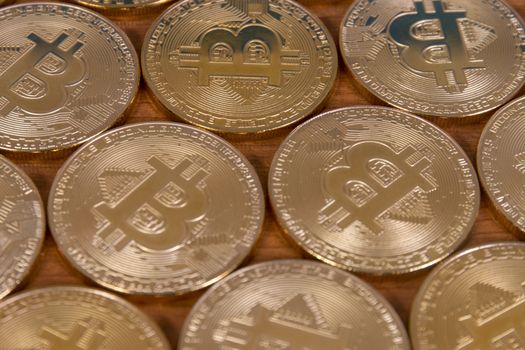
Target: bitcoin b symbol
(89,332)
(154,213)
(37,81)
(432,43)
(375,180)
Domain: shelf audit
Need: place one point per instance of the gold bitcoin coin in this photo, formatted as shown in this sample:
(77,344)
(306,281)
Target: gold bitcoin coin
(122,5)
(501,164)
(67,74)
(473,301)
(292,304)
(239,66)
(22,226)
(374,190)
(75,318)
(445,58)
(156,209)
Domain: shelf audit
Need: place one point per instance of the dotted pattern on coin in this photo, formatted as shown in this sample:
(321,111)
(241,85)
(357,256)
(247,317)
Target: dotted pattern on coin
(446,58)
(292,304)
(67,74)
(22,226)
(374,189)
(501,163)
(473,301)
(156,208)
(75,318)
(239,65)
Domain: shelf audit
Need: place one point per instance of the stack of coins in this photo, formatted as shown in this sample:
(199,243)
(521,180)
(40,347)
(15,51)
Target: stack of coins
(158,210)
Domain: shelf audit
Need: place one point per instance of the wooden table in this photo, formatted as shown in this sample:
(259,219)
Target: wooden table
(171,313)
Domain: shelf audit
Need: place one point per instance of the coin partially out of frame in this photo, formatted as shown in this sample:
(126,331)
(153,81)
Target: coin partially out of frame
(445,58)
(473,301)
(69,318)
(374,190)
(501,164)
(67,75)
(125,6)
(239,66)
(292,304)
(156,209)
(22,226)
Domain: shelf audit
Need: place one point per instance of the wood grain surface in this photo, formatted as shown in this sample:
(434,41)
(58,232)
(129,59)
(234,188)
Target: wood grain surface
(170,314)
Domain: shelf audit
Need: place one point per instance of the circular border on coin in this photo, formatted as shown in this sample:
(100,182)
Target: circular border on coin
(231,97)
(175,162)
(206,307)
(494,147)
(414,85)
(447,272)
(327,213)
(77,117)
(116,7)
(91,294)
(34,240)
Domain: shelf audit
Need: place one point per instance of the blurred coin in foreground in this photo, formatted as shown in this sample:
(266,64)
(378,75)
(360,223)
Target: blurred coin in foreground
(70,318)
(292,304)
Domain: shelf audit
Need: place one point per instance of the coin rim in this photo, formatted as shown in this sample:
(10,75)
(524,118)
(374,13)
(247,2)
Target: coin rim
(40,234)
(96,292)
(372,271)
(127,291)
(501,215)
(365,285)
(123,8)
(454,116)
(133,95)
(159,99)
(442,266)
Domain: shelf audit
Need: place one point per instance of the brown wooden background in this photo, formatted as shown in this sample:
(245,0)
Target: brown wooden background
(52,269)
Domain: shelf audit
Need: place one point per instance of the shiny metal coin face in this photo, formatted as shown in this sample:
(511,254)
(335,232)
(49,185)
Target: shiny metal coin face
(473,301)
(75,318)
(501,164)
(292,304)
(156,209)
(22,225)
(374,190)
(67,75)
(239,66)
(445,58)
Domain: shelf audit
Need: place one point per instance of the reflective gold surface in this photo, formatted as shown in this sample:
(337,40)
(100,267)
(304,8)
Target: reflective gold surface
(156,208)
(292,304)
(501,163)
(473,301)
(446,58)
(67,74)
(122,5)
(239,66)
(22,225)
(374,190)
(75,318)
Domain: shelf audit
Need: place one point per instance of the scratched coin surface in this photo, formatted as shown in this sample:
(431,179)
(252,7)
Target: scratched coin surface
(22,226)
(292,304)
(239,66)
(75,318)
(446,58)
(374,189)
(501,164)
(156,209)
(473,301)
(67,74)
